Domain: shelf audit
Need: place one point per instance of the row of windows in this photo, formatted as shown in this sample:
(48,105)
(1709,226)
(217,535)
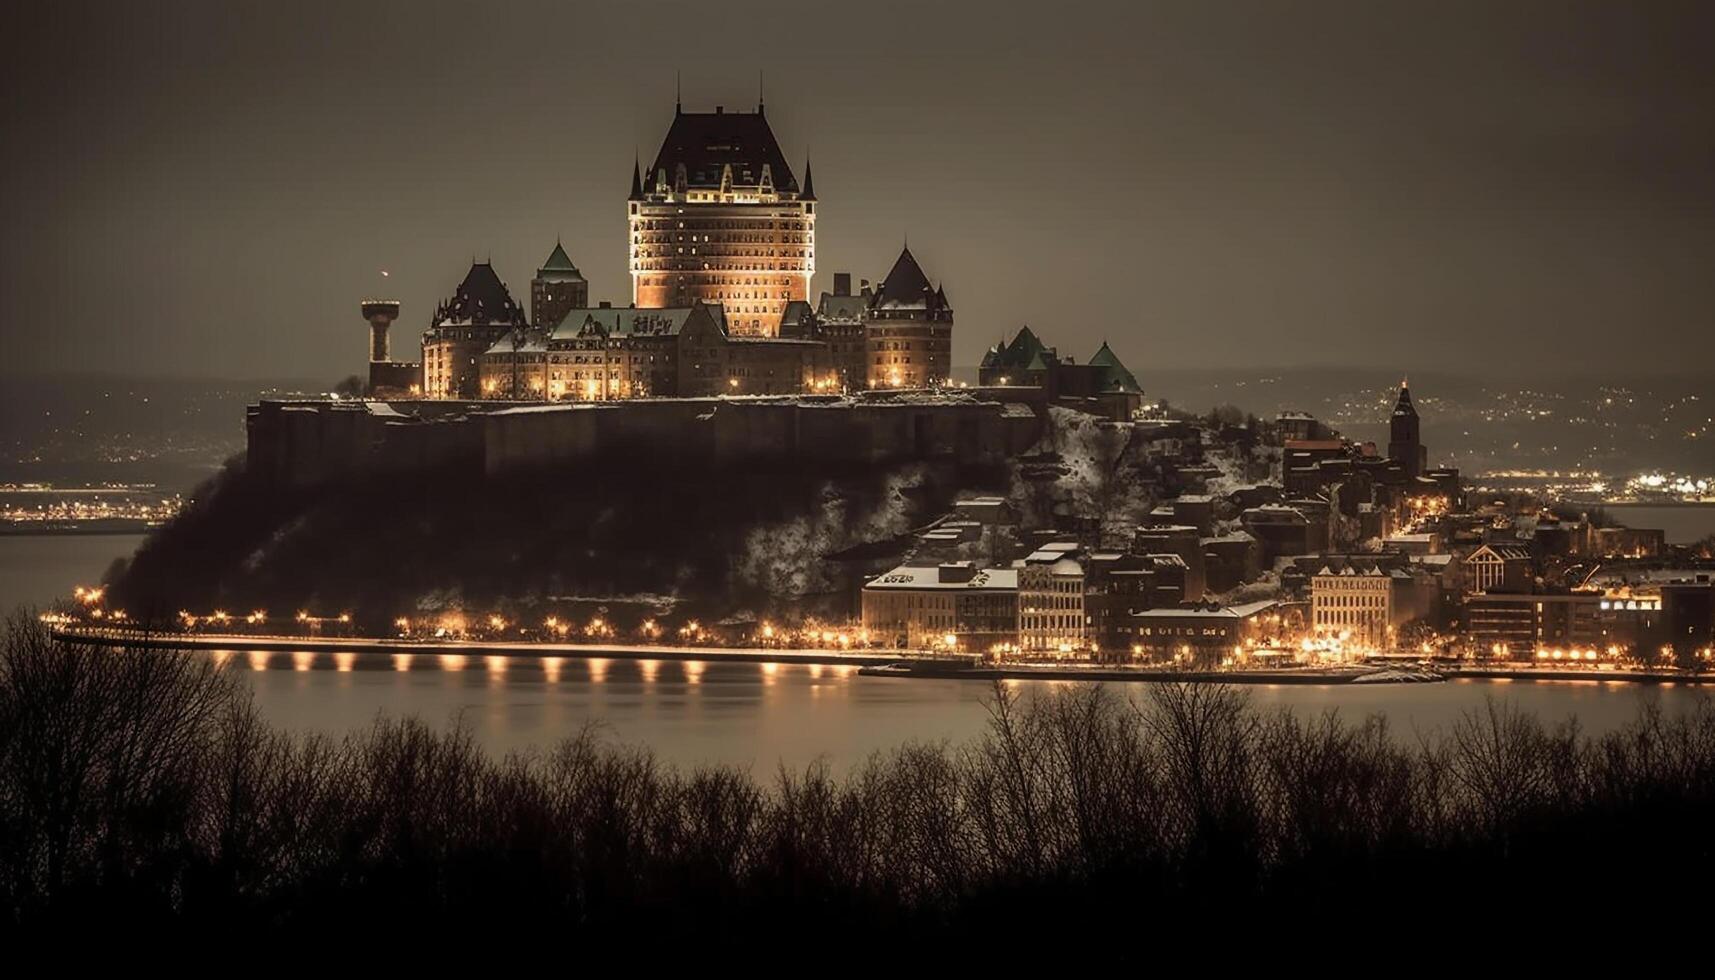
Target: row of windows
(1349,601)
(720,224)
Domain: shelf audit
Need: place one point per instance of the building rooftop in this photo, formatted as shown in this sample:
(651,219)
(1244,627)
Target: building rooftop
(559,267)
(930,577)
(705,144)
(907,288)
(481,300)
(1243,611)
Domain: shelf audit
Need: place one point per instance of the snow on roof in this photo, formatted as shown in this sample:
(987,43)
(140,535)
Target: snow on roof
(929,577)
(1244,611)
(554,407)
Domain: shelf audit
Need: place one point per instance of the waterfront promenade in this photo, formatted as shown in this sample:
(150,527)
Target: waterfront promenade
(889,663)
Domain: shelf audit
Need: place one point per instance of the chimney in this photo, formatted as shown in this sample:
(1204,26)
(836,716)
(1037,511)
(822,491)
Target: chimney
(719,109)
(842,284)
(606,304)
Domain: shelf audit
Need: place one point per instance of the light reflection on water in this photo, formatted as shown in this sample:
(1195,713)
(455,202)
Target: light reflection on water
(761,715)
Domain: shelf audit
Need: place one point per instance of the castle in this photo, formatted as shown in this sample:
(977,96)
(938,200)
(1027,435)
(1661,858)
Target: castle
(721,239)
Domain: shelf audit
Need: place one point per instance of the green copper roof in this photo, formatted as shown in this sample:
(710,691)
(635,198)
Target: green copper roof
(1116,377)
(1024,345)
(559,261)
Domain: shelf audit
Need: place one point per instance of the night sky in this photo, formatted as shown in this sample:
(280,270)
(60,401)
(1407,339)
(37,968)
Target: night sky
(210,188)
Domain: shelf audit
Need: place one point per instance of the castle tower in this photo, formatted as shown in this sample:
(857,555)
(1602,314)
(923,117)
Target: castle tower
(909,328)
(476,317)
(720,218)
(558,287)
(1405,442)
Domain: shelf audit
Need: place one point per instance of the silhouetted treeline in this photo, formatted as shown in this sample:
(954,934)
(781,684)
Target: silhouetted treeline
(140,789)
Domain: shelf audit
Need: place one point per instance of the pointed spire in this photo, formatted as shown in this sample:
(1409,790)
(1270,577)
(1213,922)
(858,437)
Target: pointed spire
(636,178)
(1404,406)
(809,180)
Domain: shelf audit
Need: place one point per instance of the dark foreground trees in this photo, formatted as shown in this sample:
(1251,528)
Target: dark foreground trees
(139,788)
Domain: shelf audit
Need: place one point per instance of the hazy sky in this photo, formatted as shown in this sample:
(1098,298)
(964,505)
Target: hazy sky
(210,188)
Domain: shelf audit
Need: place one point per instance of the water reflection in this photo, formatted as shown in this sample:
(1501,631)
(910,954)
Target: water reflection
(763,714)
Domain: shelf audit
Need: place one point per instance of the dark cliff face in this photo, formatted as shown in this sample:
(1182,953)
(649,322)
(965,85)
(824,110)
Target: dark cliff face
(722,539)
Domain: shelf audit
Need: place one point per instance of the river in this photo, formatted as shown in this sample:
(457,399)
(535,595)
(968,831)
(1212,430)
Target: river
(755,715)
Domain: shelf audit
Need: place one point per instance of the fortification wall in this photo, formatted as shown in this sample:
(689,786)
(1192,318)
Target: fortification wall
(308,443)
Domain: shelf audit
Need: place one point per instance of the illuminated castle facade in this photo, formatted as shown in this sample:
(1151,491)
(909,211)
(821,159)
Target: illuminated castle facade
(721,237)
(479,313)
(720,218)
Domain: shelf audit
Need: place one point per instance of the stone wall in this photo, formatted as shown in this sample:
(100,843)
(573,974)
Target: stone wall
(305,443)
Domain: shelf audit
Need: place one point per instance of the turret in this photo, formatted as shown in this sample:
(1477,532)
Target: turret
(380,313)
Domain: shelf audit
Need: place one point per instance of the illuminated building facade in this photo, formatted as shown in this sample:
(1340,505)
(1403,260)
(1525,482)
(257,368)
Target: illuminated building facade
(909,329)
(838,320)
(1354,604)
(720,218)
(617,353)
(480,313)
(920,606)
(1051,601)
(1202,634)
(1521,626)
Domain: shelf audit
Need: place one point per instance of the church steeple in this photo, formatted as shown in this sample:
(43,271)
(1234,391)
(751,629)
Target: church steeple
(1403,406)
(1405,439)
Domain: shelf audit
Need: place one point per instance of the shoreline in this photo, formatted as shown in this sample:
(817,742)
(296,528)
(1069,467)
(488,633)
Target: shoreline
(881,664)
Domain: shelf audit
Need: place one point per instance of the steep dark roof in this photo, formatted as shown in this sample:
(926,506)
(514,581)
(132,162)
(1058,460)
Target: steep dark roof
(706,142)
(1115,375)
(905,282)
(559,266)
(636,181)
(1020,353)
(1025,345)
(809,180)
(1404,406)
(481,299)
(906,287)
